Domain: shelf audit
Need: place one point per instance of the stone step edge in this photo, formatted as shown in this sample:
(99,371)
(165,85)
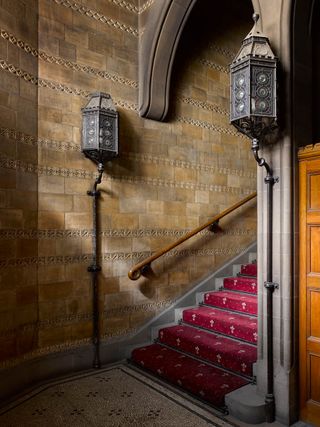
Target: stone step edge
(181,322)
(203,304)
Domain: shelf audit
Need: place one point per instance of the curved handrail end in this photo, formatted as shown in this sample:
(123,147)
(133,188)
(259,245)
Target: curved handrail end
(134,273)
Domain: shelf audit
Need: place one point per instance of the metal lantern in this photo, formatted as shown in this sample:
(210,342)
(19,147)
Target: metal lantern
(253,98)
(100,128)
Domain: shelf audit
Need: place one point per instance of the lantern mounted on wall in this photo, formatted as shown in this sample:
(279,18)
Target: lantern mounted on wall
(253,111)
(100,128)
(100,144)
(253,100)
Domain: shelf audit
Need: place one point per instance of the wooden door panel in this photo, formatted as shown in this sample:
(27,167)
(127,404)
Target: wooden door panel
(313,281)
(315,375)
(313,345)
(314,238)
(314,192)
(314,310)
(309,293)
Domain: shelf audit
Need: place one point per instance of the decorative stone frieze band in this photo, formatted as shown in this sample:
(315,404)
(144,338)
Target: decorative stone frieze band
(165,161)
(112,256)
(203,105)
(145,6)
(158,182)
(118,102)
(63,62)
(90,13)
(138,157)
(211,126)
(57,86)
(223,50)
(132,8)
(45,170)
(84,174)
(84,317)
(37,141)
(13,234)
(69,345)
(214,66)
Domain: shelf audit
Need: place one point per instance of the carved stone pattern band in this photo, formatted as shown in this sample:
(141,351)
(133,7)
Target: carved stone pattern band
(37,141)
(132,8)
(145,6)
(104,74)
(129,6)
(120,103)
(113,256)
(210,126)
(84,174)
(13,234)
(223,51)
(83,10)
(204,105)
(57,86)
(214,66)
(148,158)
(83,317)
(69,345)
(68,64)
(158,182)
(45,170)
(145,158)
(141,157)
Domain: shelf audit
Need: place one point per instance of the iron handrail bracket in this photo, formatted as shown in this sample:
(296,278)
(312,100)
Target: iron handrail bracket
(137,269)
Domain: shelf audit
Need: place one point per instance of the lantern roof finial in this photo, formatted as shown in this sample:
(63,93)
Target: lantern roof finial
(256,29)
(256,44)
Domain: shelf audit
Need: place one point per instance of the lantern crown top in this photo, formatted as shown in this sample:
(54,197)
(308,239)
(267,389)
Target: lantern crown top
(255,45)
(99,101)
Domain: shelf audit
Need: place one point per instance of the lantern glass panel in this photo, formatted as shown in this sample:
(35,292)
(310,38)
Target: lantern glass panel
(240,93)
(90,131)
(108,134)
(262,100)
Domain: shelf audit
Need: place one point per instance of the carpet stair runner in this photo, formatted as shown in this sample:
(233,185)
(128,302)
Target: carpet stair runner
(212,350)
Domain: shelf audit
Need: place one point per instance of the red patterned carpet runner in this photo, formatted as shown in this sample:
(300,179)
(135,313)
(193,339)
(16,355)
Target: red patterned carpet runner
(211,352)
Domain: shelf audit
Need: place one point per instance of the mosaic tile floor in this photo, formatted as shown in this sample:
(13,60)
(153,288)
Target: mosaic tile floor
(116,396)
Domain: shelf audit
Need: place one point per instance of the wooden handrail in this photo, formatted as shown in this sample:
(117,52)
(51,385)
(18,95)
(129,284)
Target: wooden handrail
(136,270)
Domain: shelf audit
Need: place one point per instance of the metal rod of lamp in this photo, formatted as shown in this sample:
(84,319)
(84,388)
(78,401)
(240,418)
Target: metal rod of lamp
(253,111)
(99,144)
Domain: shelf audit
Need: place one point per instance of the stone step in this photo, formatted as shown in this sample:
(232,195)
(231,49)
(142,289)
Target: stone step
(233,324)
(229,300)
(243,284)
(249,269)
(205,381)
(233,355)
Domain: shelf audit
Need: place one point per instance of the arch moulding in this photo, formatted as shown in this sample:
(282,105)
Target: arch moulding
(163,27)
(158,45)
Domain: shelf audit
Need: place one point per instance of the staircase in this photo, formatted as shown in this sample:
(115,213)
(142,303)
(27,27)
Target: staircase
(211,351)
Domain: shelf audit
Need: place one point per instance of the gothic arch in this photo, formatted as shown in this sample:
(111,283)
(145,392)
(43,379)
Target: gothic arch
(158,45)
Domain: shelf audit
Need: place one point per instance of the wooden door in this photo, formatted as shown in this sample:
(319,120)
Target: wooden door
(309,158)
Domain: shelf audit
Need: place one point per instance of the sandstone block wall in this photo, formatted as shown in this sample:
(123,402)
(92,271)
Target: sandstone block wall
(169,177)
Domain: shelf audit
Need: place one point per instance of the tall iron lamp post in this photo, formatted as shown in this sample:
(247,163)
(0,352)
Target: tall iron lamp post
(253,111)
(100,144)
